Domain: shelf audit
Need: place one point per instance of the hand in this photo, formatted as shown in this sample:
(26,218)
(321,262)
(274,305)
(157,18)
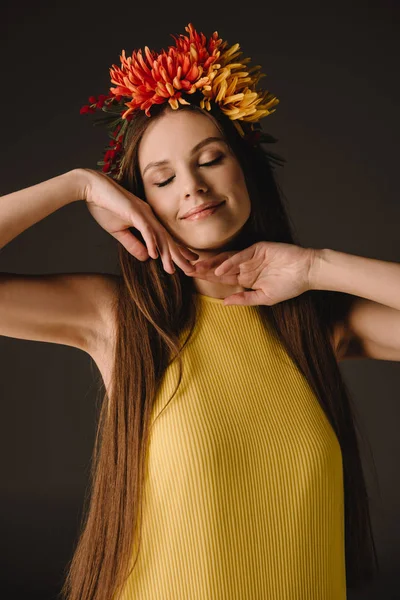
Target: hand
(116,210)
(274,271)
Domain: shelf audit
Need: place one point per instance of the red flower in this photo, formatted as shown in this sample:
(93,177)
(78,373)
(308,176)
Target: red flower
(153,78)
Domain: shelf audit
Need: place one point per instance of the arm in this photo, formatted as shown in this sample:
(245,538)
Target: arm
(372,326)
(65,308)
(23,208)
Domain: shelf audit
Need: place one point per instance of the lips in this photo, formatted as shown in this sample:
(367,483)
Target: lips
(200,208)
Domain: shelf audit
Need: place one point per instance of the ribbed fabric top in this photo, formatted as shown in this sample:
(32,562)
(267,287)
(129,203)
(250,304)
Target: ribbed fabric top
(244,490)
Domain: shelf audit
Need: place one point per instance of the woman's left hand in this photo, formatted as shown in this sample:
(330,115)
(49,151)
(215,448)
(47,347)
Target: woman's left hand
(272,271)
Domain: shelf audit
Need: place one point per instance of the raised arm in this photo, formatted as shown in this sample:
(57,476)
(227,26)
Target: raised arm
(60,308)
(23,208)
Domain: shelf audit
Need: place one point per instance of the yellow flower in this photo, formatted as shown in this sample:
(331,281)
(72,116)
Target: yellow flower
(233,87)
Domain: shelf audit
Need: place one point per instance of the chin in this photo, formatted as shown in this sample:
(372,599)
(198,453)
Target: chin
(218,245)
(211,239)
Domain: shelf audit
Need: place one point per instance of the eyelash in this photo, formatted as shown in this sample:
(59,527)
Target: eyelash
(207,164)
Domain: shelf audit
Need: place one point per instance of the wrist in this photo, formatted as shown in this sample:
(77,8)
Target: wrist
(319,256)
(80,177)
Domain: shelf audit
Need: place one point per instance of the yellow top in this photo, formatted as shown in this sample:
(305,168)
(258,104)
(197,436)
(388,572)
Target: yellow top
(244,490)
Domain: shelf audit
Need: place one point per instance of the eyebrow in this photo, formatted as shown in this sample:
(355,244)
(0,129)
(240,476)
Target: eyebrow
(193,150)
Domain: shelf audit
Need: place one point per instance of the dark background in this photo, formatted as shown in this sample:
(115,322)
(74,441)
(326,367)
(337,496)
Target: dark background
(334,67)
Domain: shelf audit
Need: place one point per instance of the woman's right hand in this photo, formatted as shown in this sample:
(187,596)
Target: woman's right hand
(116,210)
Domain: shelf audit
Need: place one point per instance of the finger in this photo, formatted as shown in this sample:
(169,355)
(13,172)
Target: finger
(172,252)
(176,251)
(153,250)
(165,254)
(214,261)
(182,262)
(236,259)
(227,270)
(207,276)
(248,298)
(229,264)
(182,257)
(131,244)
(187,253)
(150,239)
(198,276)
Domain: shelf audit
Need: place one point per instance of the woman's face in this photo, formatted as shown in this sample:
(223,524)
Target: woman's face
(173,156)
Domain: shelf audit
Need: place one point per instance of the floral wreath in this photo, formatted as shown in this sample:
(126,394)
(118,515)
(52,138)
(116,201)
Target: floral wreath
(194,64)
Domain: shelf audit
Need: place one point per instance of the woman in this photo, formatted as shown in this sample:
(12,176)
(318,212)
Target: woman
(226,462)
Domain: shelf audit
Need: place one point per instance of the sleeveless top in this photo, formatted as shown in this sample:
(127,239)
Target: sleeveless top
(244,496)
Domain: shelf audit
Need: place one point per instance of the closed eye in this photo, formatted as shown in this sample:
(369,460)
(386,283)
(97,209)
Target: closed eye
(207,164)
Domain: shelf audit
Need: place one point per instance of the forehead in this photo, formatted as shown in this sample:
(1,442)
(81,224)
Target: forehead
(175,133)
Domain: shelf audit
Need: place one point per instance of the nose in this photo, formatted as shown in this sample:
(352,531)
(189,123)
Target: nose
(194,184)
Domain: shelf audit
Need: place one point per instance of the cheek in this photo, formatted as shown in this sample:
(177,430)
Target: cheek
(156,207)
(241,193)
(236,178)
(166,217)
(156,202)
(237,185)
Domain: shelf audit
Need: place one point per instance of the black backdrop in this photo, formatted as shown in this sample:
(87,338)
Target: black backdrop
(334,67)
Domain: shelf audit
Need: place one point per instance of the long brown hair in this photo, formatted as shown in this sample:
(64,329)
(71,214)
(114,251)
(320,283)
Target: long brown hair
(152,308)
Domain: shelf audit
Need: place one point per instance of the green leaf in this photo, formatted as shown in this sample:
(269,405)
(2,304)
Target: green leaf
(108,121)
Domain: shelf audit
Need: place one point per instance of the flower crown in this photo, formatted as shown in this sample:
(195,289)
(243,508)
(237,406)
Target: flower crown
(192,65)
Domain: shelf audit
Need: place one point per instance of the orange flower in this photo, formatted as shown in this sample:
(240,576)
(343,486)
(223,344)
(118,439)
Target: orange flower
(151,79)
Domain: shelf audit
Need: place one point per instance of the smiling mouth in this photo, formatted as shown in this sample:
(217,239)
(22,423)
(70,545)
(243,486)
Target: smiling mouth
(204,212)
